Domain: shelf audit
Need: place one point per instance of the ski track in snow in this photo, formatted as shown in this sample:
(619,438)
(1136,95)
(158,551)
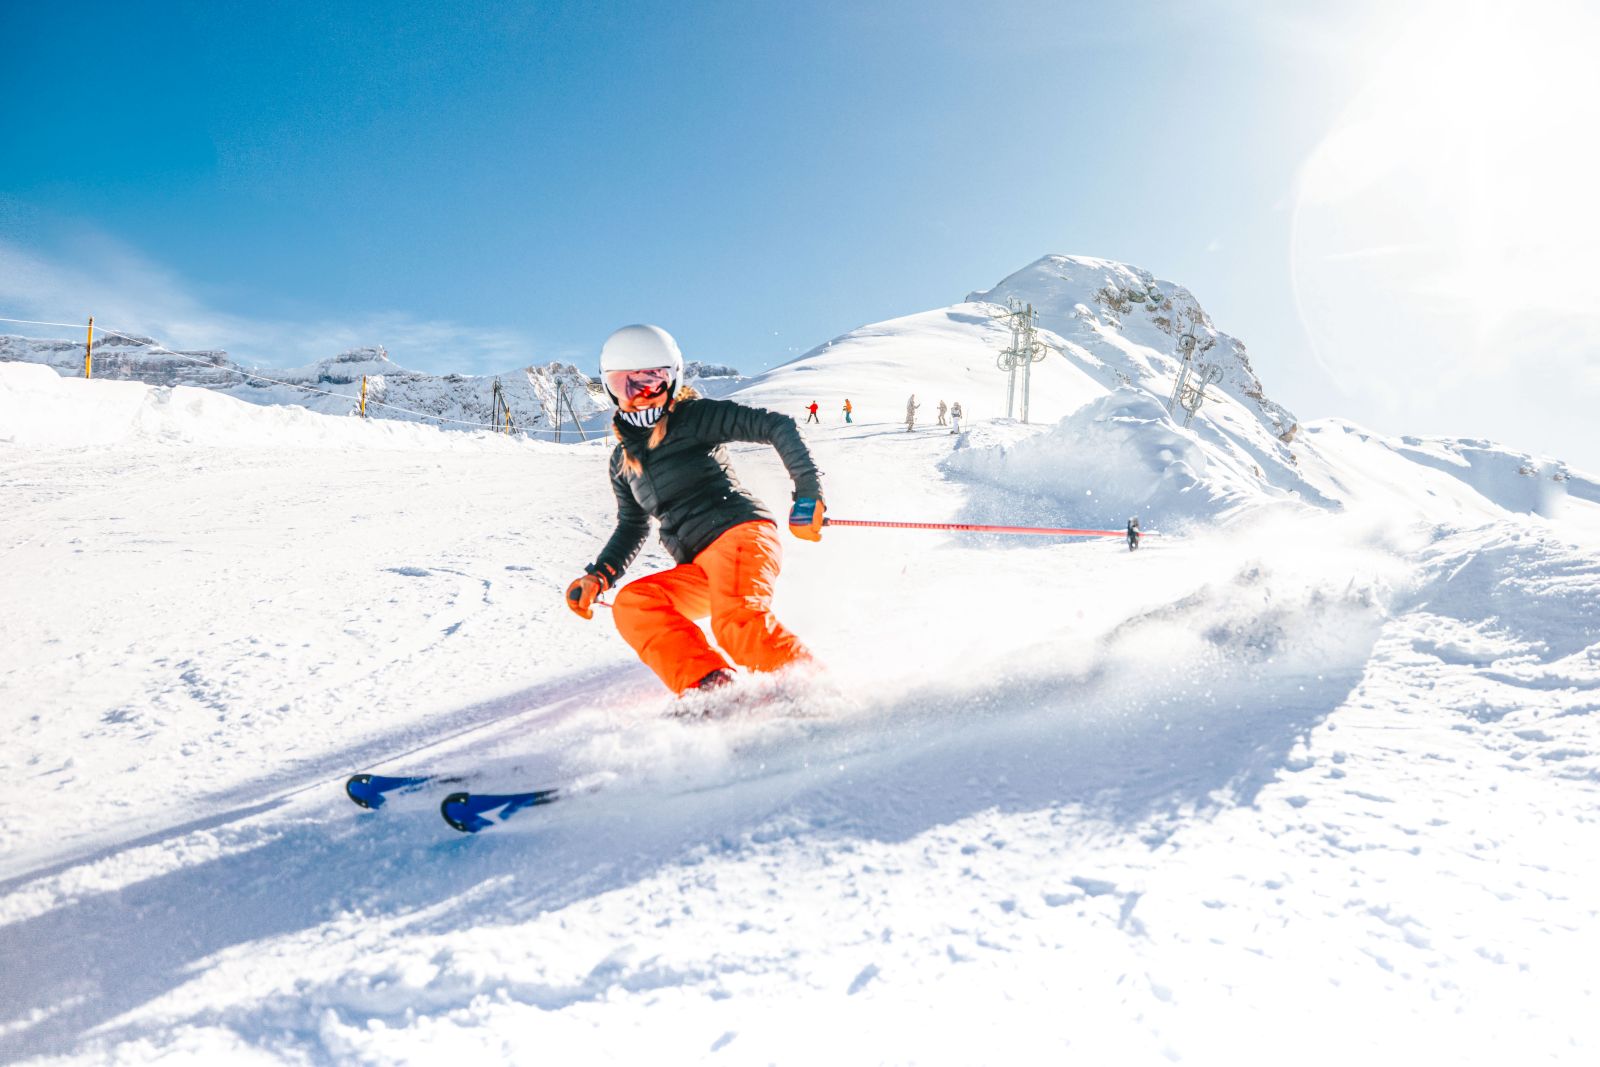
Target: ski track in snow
(1303,786)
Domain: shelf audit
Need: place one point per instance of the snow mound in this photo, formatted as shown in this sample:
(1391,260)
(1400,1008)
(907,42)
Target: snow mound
(1516,481)
(1115,457)
(1440,479)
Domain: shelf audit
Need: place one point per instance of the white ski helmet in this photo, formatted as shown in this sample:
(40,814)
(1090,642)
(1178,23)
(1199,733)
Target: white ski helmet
(641,347)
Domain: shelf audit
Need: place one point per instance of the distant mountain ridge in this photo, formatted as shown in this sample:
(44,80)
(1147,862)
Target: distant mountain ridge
(333,385)
(128,358)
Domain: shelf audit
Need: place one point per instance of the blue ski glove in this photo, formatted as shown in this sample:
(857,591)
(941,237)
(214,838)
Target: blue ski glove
(805,518)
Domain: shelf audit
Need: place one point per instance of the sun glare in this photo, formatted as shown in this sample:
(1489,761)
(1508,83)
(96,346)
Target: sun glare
(1455,196)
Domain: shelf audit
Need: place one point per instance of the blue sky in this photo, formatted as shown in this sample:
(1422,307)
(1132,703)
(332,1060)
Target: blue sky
(478,186)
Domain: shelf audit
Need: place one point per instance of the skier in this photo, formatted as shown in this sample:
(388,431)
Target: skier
(812,413)
(942,411)
(670,464)
(847,410)
(911,412)
(955,416)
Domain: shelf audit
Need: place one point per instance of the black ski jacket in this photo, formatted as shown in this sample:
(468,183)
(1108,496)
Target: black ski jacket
(687,483)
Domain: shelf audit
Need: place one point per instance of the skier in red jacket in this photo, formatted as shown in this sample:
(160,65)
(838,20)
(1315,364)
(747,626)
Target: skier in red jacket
(671,464)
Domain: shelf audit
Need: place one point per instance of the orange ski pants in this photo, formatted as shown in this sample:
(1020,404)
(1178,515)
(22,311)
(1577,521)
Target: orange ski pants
(731,581)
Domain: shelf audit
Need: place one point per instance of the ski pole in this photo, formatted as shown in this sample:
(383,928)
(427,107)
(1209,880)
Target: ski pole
(977,528)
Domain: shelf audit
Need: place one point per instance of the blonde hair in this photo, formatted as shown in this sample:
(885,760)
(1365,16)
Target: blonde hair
(657,435)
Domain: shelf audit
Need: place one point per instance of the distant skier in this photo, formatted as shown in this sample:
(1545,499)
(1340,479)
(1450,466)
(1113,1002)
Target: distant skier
(1134,534)
(670,464)
(942,411)
(811,415)
(955,417)
(911,412)
(847,410)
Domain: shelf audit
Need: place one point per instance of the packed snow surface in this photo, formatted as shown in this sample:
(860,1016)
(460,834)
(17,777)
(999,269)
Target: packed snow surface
(1311,777)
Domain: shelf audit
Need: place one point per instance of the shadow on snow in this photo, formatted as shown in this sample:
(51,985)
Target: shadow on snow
(1129,747)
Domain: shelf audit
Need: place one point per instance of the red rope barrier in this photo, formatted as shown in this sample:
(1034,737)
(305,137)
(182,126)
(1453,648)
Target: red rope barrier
(975,528)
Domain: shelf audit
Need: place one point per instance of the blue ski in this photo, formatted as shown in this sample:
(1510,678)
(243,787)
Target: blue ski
(466,811)
(368,790)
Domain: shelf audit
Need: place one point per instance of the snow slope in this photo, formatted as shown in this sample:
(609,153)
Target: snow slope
(1314,776)
(1111,329)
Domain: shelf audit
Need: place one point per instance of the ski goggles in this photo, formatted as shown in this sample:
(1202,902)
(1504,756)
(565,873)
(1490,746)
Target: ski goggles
(646,384)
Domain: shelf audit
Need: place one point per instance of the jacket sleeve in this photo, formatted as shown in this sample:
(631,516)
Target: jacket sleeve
(725,420)
(633,523)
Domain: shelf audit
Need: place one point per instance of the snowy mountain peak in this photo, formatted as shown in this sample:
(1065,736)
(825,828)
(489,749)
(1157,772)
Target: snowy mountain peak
(347,368)
(1084,299)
